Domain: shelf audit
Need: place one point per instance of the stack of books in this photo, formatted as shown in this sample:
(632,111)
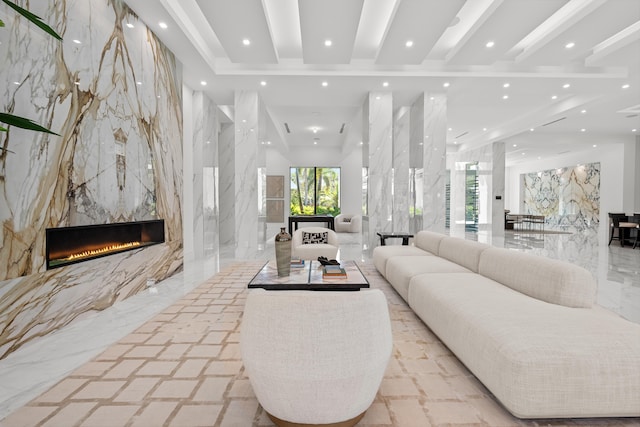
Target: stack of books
(297,263)
(333,272)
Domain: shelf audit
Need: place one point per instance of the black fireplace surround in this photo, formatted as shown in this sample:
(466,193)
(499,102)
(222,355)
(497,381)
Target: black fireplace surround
(70,245)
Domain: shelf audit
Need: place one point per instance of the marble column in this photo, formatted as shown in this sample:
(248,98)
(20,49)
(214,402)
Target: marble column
(631,171)
(377,166)
(249,174)
(428,137)
(227,196)
(401,170)
(497,192)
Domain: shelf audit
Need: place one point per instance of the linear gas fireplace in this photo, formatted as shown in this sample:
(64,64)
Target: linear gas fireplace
(70,245)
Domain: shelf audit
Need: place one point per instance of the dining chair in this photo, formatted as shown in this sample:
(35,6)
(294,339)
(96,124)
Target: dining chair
(615,232)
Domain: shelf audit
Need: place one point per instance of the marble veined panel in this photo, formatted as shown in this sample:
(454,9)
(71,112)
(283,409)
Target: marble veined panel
(114,99)
(569,197)
(39,304)
(401,132)
(435,158)
(113,94)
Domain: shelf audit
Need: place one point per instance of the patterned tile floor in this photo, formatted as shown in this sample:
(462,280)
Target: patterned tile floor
(183,368)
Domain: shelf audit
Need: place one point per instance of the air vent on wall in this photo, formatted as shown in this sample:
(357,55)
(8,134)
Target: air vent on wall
(342,128)
(554,121)
(286,126)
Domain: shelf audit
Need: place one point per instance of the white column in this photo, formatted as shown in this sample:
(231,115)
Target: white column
(498,189)
(631,181)
(401,129)
(428,161)
(377,162)
(227,158)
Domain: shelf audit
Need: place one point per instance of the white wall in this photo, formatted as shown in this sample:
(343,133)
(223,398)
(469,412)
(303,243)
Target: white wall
(611,176)
(187,172)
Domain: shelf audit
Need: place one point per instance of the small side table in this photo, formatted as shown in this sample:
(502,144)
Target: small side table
(404,236)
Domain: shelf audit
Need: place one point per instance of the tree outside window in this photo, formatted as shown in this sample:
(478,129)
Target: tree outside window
(315,191)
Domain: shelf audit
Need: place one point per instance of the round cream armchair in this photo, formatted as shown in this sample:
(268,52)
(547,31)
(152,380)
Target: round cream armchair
(315,358)
(313,242)
(348,223)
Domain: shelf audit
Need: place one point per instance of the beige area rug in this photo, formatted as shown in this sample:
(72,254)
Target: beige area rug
(183,368)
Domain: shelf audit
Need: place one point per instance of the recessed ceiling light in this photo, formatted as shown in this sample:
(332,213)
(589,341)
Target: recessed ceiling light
(328,42)
(263,83)
(531,130)
(569,45)
(315,142)
(246,42)
(506,85)
(515,145)
(446,84)
(203,83)
(409,43)
(505,96)
(523,154)
(432,98)
(554,97)
(484,129)
(490,43)
(129,24)
(566,86)
(163,25)
(450,129)
(377,97)
(325,84)
(385,84)
(76,41)
(634,130)
(583,111)
(315,130)
(626,86)
(268,142)
(595,145)
(583,130)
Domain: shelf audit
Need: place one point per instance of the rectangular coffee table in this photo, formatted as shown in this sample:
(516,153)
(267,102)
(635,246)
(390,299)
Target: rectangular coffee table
(309,278)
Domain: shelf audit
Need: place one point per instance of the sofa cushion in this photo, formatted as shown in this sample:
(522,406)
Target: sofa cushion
(382,253)
(540,360)
(461,251)
(546,279)
(400,270)
(428,241)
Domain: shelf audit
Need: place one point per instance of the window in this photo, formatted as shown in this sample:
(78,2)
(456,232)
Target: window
(315,191)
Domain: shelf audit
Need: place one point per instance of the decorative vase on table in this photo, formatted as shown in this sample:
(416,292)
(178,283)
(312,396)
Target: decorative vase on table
(283,252)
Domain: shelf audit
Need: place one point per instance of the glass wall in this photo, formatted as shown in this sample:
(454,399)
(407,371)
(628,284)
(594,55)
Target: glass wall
(315,191)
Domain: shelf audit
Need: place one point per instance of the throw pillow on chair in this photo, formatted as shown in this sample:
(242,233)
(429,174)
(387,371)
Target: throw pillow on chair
(314,238)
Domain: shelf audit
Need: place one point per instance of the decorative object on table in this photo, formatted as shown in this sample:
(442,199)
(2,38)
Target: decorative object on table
(297,263)
(283,252)
(333,271)
(325,261)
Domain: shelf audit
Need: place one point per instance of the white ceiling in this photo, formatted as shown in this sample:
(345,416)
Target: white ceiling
(287,51)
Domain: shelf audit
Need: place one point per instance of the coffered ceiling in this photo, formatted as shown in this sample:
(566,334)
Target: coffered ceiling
(508,67)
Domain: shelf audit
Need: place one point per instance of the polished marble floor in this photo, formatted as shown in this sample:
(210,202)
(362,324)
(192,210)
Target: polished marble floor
(29,372)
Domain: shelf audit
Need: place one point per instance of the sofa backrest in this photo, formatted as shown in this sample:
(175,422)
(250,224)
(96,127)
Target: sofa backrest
(428,241)
(549,280)
(463,252)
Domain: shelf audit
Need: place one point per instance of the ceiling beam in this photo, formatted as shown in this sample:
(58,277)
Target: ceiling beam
(471,21)
(195,27)
(564,18)
(614,43)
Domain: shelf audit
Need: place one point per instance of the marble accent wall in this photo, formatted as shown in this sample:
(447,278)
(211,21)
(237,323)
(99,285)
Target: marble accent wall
(401,128)
(250,174)
(115,100)
(498,168)
(568,197)
(377,159)
(428,138)
(205,175)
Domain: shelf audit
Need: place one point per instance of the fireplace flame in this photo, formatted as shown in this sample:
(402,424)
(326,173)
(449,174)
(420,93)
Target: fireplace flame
(94,252)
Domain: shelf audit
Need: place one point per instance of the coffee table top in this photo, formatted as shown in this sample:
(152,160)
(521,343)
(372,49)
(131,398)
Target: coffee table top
(309,278)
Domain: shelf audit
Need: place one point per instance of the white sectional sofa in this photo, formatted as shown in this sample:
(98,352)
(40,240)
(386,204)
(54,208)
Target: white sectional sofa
(525,325)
